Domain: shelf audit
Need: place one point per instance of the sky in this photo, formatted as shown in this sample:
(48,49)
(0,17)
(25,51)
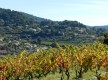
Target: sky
(88,12)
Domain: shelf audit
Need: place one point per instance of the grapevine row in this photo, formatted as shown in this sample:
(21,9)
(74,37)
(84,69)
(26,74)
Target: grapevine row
(81,59)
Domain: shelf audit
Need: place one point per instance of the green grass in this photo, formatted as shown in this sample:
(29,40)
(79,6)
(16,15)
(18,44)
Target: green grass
(46,43)
(87,76)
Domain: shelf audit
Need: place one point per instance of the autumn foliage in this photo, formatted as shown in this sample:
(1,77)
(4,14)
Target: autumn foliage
(27,66)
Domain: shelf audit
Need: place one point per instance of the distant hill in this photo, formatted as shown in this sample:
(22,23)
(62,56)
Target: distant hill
(103,27)
(20,25)
(13,18)
(37,19)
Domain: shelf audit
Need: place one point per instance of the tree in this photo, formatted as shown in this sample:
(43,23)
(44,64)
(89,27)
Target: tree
(105,38)
(39,40)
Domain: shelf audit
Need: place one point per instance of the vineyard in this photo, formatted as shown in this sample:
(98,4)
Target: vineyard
(62,60)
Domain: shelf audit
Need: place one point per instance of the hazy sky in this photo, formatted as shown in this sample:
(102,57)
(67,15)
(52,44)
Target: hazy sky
(89,12)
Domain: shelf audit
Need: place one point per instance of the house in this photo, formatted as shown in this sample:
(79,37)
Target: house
(3,52)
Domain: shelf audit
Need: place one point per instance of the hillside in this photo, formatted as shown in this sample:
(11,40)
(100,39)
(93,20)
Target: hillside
(103,27)
(35,18)
(13,18)
(19,30)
